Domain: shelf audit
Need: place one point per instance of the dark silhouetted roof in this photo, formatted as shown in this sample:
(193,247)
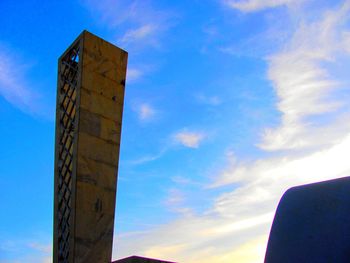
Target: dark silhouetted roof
(137,259)
(312,224)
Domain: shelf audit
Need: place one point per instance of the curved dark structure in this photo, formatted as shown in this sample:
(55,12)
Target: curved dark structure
(312,224)
(137,259)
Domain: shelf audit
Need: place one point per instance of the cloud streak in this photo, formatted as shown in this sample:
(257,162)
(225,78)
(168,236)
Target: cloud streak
(208,100)
(13,87)
(302,82)
(189,139)
(257,5)
(133,74)
(141,24)
(34,252)
(145,112)
(144,33)
(313,150)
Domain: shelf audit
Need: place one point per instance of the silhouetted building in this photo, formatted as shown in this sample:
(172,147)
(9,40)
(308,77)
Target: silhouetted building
(312,224)
(136,259)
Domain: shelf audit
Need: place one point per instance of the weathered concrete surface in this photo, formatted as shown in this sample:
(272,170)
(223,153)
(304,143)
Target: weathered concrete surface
(312,224)
(100,98)
(100,109)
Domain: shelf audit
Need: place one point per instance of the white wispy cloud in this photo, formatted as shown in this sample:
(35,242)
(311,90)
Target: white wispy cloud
(193,238)
(144,33)
(13,86)
(184,181)
(148,158)
(175,197)
(26,251)
(45,248)
(239,219)
(137,26)
(176,202)
(262,43)
(209,100)
(137,71)
(141,24)
(133,74)
(189,139)
(47,259)
(301,79)
(145,111)
(257,5)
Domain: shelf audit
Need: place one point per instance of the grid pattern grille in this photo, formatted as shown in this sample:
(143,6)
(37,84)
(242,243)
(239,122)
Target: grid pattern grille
(68,80)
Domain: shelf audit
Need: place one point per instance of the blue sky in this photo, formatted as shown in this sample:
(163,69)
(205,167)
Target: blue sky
(228,104)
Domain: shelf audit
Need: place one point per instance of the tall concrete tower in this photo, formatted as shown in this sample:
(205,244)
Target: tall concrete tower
(90,97)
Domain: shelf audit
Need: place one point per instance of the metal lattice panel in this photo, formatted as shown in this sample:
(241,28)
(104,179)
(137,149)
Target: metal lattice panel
(68,79)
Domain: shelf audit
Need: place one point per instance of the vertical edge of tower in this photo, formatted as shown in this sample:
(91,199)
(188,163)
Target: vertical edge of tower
(66,136)
(72,258)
